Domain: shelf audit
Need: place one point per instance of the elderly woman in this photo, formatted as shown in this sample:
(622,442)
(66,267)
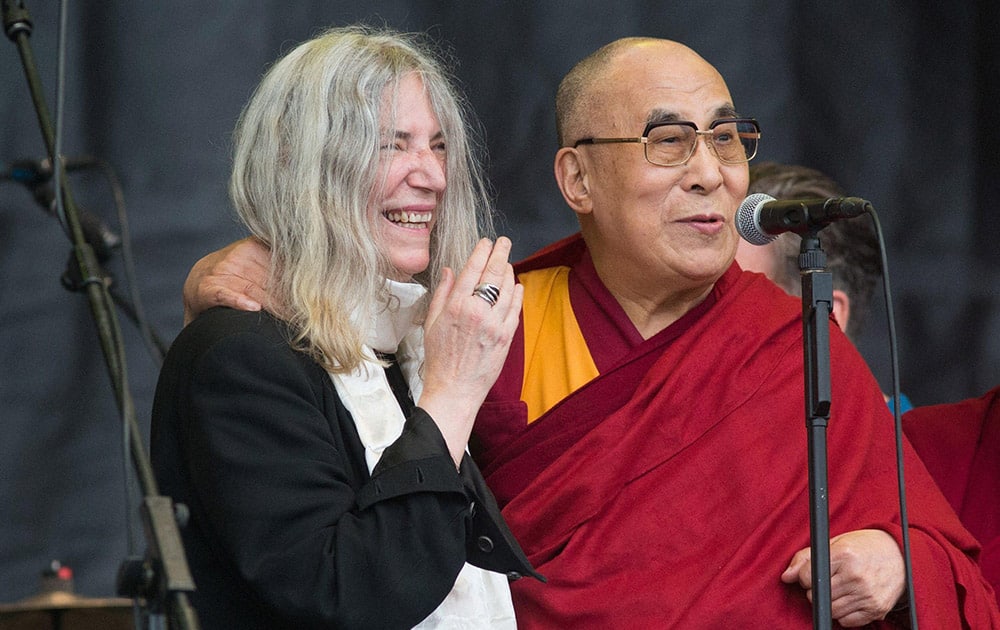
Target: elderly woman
(321,445)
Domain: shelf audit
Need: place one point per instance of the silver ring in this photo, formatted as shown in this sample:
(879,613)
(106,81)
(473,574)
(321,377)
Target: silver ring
(487,291)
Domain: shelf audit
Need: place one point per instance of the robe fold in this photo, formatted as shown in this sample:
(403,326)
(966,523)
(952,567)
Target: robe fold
(960,445)
(672,491)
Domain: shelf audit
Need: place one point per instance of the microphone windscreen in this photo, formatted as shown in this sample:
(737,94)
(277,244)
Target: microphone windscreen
(748,221)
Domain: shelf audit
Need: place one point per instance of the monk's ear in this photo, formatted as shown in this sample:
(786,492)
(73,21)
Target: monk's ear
(571,176)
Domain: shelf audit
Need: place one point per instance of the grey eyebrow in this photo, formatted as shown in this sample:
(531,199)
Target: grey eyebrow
(664,116)
(726,111)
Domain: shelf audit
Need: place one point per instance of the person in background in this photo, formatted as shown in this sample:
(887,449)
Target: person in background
(851,247)
(645,437)
(960,444)
(321,446)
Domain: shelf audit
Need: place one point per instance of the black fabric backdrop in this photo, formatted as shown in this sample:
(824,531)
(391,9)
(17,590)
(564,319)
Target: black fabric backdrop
(894,99)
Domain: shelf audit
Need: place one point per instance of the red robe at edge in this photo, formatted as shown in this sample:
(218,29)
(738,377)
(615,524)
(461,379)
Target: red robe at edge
(960,445)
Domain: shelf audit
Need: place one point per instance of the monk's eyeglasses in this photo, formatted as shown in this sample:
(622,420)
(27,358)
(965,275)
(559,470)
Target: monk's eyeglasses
(732,140)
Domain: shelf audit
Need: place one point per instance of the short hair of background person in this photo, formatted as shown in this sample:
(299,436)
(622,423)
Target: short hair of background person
(852,254)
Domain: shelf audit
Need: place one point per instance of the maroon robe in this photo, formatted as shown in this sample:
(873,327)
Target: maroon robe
(671,491)
(960,445)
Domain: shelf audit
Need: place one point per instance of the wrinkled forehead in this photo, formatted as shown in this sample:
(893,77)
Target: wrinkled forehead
(659,83)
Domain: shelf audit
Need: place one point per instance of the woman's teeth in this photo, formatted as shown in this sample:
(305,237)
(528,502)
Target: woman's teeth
(414,220)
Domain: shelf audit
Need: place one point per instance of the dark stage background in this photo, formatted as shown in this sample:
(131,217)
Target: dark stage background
(895,99)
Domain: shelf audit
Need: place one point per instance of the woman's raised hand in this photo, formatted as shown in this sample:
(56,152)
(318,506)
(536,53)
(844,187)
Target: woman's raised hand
(466,337)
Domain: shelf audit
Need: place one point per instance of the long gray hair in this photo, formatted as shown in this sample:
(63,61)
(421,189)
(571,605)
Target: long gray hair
(306,164)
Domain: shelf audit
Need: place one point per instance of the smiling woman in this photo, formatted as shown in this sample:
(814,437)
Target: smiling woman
(321,447)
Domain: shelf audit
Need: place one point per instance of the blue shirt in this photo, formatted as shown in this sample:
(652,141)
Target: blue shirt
(904,404)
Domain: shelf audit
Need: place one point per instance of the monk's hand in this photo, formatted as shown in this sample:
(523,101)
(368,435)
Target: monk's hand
(867,576)
(234,276)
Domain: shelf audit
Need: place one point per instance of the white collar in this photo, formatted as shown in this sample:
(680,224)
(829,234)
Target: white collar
(396,318)
(393,327)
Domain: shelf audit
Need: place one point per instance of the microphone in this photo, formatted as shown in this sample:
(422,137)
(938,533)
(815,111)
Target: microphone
(36,175)
(761,218)
(34,172)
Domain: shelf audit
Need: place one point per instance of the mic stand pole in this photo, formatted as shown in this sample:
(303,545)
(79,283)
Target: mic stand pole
(817,303)
(163,578)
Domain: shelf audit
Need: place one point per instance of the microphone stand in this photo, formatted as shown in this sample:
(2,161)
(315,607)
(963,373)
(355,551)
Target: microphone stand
(817,303)
(104,242)
(162,577)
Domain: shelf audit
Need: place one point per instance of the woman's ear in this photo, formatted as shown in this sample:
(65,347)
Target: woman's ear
(571,177)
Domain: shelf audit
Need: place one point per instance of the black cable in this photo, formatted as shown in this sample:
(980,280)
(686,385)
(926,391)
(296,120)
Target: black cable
(135,311)
(900,475)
